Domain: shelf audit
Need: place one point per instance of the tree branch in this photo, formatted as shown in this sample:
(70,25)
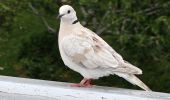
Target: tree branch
(102,27)
(35,11)
(108,25)
(85,14)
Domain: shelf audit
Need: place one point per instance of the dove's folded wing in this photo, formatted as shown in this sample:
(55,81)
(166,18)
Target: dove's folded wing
(103,44)
(124,66)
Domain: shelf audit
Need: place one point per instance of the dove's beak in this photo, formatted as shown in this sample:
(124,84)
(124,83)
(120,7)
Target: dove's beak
(59,16)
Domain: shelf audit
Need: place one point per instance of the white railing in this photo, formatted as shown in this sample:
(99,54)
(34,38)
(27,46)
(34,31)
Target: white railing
(12,88)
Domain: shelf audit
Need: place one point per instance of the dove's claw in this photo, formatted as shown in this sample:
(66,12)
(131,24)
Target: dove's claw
(84,83)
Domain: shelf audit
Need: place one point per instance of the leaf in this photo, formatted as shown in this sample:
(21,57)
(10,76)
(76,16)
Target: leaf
(3,6)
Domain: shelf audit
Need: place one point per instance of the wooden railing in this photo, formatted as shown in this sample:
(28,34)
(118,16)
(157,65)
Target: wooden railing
(13,88)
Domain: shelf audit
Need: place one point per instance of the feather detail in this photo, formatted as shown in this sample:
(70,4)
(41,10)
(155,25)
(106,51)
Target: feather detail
(134,80)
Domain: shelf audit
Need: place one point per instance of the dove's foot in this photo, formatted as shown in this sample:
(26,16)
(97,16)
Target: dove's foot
(84,83)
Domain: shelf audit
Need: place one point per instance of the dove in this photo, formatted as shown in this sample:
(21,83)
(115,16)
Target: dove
(85,52)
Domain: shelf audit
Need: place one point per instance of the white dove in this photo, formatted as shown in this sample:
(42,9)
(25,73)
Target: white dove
(88,54)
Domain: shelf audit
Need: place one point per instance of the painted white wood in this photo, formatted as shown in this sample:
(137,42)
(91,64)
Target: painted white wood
(12,88)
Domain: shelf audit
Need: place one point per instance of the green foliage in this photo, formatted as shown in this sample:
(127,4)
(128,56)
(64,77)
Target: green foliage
(138,30)
(39,57)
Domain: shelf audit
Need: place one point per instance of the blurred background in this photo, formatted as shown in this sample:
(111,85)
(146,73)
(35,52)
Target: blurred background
(137,29)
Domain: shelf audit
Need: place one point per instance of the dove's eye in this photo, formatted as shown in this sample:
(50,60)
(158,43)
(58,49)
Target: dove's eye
(68,11)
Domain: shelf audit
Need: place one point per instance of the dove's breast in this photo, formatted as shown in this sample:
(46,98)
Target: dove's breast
(67,60)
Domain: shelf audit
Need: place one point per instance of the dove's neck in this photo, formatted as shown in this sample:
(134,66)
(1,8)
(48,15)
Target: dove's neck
(68,27)
(70,23)
(70,20)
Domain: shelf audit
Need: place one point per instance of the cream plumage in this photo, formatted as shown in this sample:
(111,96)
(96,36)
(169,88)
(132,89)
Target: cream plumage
(85,52)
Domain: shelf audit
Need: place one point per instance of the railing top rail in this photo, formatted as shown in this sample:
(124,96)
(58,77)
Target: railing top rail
(13,88)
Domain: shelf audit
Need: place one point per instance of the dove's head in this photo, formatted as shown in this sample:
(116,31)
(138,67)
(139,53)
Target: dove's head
(67,14)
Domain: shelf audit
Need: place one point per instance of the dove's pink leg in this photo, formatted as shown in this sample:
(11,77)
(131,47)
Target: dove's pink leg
(88,83)
(84,83)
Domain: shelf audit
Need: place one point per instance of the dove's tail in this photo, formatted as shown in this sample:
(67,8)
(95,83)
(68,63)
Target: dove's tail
(134,80)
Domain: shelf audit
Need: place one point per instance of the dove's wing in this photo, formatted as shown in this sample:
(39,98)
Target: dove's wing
(123,65)
(90,51)
(103,44)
